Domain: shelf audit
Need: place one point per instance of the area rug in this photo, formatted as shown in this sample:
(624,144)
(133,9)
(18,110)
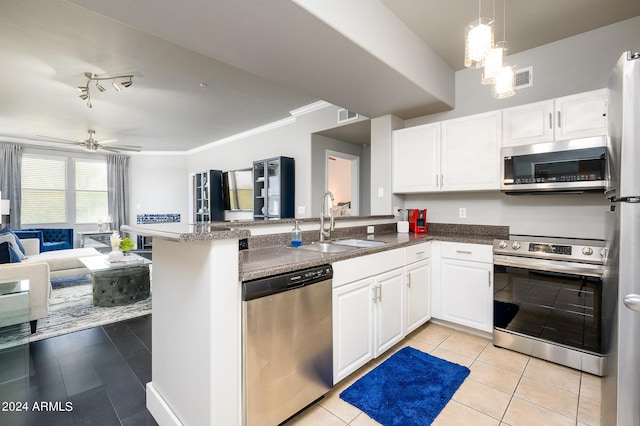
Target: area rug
(71,309)
(410,388)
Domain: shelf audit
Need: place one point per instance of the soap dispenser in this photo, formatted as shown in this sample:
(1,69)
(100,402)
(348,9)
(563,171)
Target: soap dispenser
(296,236)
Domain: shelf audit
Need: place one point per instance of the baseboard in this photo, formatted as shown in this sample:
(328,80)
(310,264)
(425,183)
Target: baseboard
(159,409)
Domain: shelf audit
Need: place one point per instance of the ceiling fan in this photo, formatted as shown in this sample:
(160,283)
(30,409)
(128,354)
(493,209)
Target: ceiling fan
(90,144)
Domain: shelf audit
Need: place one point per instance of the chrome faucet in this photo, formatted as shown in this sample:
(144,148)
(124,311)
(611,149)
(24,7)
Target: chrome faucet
(324,232)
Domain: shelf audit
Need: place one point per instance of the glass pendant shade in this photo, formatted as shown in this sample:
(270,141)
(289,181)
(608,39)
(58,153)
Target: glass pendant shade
(478,36)
(493,62)
(505,82)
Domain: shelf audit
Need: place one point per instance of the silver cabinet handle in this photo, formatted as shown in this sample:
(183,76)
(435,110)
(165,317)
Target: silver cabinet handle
(463,252)
(380,293)
(375,294)
(489,276)
(441,181)
(632,301)
(420,253)
(409,280)
(437,181)
(550,121)
(559,123)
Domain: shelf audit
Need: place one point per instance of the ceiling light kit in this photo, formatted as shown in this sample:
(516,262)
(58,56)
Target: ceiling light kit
(85,92)
(482,51)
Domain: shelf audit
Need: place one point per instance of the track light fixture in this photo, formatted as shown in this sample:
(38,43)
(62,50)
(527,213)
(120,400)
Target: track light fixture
(85,93)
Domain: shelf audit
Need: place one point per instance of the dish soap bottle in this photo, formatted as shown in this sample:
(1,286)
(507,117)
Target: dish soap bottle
(296,236)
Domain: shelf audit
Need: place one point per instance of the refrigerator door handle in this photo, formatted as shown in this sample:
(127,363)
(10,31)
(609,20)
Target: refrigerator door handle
(632,301)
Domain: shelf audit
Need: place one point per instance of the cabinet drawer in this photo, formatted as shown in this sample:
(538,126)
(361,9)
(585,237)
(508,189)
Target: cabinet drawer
(350,270)
(417,252)
(464,251)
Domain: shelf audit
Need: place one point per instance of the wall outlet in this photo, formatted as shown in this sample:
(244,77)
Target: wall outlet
(370,229)
(301,211)
(396,211)
(462,213)
(380,192)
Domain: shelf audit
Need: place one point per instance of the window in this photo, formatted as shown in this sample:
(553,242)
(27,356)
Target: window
(44,190)
(91,191)
(63,190)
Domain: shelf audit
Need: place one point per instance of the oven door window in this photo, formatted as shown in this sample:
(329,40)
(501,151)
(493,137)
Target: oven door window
(561,308)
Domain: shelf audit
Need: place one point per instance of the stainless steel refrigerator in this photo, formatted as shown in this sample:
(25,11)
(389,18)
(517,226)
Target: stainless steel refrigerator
(621,292)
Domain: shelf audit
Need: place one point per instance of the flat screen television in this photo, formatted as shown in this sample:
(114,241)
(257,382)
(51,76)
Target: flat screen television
(238,189)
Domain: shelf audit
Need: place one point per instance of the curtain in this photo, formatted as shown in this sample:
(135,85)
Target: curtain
(11,179)
(118,189)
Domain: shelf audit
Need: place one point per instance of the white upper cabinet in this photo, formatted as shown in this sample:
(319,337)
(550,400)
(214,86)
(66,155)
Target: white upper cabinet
(568,117)
(455,155)
(415,154)
(470,153)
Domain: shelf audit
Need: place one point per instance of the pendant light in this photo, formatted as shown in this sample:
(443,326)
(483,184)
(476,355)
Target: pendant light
(505,82)
(503,75)
(478,37)
(493,61)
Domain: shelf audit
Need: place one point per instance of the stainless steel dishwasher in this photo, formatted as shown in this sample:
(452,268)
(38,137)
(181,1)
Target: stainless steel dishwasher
(287,344)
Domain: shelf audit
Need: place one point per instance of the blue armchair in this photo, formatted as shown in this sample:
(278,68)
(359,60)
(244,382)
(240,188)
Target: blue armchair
(50,238)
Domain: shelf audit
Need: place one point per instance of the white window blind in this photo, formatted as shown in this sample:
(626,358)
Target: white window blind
(44,189)
(91,191)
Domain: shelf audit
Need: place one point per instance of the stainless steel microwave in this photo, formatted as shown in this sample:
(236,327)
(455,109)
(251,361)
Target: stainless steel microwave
(571,166)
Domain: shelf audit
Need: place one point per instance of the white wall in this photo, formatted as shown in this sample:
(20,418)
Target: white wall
(159,184)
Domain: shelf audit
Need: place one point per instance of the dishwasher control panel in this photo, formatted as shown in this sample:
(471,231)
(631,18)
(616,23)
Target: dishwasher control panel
(278,283)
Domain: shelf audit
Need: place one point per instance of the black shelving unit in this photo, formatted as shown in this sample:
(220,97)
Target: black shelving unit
(274,188)
(207,197)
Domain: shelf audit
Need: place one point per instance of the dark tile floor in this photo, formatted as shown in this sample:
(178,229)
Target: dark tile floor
(90,377)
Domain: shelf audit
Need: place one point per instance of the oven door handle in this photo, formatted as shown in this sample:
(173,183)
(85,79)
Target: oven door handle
(549,265)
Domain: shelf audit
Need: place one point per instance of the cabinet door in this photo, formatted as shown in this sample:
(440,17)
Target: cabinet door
(352,327)
(389,312)
(527,124)
(471,153)
(581,115)
(418,294)
(415,156)
(467,293)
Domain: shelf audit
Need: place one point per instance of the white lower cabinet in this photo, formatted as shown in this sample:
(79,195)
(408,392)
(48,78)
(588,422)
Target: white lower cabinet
(466,285)
(418,294)
(367,320)
(388,310)
(352,325)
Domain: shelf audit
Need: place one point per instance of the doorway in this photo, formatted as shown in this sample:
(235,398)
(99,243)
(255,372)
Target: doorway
(342,179)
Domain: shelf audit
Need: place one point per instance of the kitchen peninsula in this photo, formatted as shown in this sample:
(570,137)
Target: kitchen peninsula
(197,302)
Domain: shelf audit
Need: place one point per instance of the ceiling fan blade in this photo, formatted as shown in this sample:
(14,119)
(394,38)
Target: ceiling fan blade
(109,149)
(108,141)
(60,140)
(125,147)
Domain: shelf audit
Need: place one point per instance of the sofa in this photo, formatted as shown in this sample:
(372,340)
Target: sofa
(39,268)
(50,238)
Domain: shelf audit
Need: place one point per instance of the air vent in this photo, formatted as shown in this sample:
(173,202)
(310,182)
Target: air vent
(524,78)
(346,115)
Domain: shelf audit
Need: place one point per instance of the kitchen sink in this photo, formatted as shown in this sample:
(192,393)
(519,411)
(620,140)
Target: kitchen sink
(327,247)
(359,243)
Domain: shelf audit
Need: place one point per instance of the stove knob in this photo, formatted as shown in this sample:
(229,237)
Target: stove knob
(515,245)
(602,252)
(587,251)
(503,244)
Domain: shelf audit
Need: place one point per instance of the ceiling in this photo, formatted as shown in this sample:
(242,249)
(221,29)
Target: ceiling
(259,60)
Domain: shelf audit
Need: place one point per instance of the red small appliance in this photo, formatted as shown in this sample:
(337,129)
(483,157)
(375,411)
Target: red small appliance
(418,220)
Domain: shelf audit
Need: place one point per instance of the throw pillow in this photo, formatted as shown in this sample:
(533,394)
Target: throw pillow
(10,231)
(11,239)
(8,254)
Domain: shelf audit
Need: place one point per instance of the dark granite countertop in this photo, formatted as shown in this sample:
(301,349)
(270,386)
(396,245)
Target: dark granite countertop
(263,262)
(185,233)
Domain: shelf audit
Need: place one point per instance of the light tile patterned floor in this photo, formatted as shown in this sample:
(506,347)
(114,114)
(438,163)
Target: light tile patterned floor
(504,387)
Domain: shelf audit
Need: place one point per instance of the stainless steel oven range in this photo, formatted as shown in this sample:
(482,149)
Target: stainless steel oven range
(548,299)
